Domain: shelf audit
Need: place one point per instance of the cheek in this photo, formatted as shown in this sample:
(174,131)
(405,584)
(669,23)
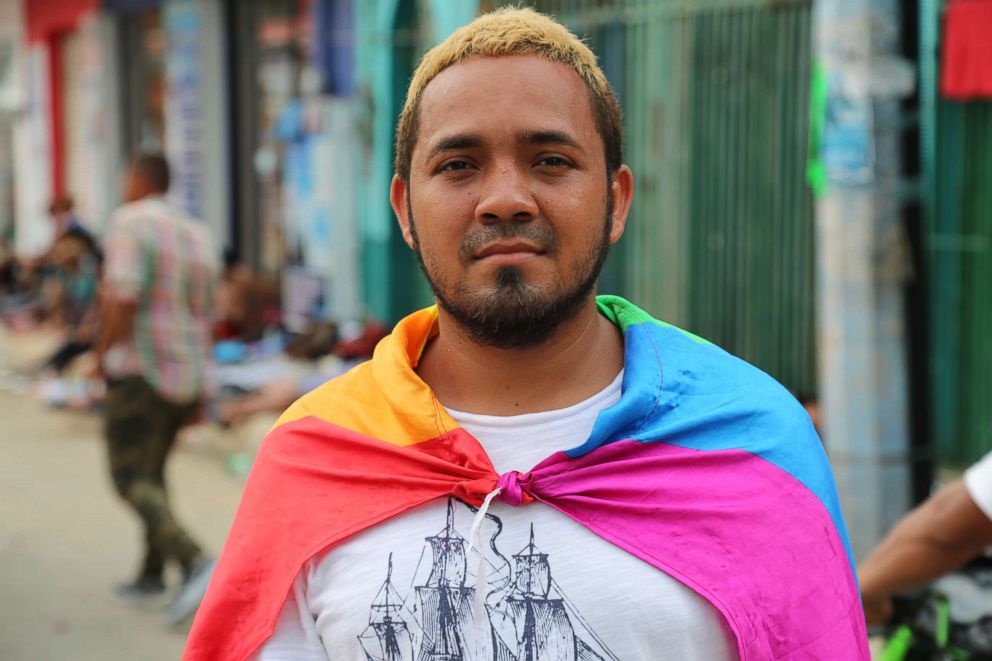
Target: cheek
(438,243)
(578,220)
(443,220)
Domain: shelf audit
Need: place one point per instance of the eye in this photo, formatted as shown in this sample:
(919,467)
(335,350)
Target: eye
(454,166)
(555,162)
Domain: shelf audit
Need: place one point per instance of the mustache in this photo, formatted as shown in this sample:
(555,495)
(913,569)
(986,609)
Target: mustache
(538,234)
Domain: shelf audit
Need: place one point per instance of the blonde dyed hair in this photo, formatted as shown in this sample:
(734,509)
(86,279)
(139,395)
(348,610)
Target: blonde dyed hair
(513,31)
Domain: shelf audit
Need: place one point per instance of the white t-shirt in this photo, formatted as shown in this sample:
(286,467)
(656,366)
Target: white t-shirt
(978,480)
(408,585)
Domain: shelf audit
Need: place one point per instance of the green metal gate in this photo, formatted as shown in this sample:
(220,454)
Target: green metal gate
(960,261)
(720,239)
(957,171)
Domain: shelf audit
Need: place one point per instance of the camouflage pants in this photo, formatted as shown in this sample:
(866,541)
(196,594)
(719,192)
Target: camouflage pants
(140,428)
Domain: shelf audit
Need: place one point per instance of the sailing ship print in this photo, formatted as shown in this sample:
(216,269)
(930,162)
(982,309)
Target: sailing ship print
(524,615)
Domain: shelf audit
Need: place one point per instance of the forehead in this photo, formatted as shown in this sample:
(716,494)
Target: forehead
(493,96)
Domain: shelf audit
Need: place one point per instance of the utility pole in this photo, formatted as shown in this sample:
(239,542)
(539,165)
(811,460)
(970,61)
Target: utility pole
(862,264)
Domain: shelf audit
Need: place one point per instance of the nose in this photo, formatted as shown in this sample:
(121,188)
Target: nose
(506,196)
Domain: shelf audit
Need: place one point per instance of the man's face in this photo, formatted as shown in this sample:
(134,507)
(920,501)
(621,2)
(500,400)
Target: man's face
(508,204)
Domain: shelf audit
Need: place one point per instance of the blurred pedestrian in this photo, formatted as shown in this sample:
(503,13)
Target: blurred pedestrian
(154,347)
(680,504)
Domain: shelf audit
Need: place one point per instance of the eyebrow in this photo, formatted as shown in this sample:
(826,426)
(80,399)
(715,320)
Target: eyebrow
(474,140)
(459,141)
(549,138)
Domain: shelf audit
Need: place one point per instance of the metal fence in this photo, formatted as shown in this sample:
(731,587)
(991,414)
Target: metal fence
(720,240)
(960,265)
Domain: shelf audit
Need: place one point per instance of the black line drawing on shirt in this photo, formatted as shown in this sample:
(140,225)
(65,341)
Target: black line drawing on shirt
(527,616)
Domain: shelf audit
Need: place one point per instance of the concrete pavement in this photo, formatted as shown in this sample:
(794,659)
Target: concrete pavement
(65,539)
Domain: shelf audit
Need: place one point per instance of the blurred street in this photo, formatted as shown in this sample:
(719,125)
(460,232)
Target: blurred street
(66,540)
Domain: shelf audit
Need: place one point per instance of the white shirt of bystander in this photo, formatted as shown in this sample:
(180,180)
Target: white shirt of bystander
(978,480)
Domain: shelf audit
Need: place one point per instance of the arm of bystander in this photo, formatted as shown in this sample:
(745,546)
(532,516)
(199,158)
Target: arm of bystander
(938,537)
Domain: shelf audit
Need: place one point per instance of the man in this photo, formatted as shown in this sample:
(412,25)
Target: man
(952,527)
(154,346)
(526,471)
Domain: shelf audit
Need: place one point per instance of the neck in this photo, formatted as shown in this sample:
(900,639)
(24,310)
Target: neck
(581,358)
(145,195)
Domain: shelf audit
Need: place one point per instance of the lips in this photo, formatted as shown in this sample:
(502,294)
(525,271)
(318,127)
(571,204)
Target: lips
(507,248)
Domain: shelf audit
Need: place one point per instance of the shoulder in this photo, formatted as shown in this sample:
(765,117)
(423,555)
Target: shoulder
(698,394)
(687,363)
(79,231)
(335,400)
(686,375)
(700,367)
(140,217)
(198,232)
(126,214)
(195,233)
(319,421)
(710,400)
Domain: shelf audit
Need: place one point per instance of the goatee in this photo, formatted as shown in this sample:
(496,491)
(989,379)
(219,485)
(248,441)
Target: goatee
(513,313)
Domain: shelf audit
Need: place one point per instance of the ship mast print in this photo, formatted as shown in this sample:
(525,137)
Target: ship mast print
(387,638)
(526,617)
(544,630)
(446,603)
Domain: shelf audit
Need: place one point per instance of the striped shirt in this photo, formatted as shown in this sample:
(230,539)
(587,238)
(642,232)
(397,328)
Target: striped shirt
(165,262)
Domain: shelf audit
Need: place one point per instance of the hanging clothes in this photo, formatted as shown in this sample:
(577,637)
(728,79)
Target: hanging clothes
(966,62)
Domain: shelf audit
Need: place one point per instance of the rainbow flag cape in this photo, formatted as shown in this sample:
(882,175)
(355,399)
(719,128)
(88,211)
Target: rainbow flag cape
(706,468)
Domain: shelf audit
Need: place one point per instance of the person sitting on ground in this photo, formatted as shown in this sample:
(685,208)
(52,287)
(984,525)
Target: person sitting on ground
(949,529)
(68,228)
(70,270)
(276,396)
(53,288)
(244,301)
(70,266)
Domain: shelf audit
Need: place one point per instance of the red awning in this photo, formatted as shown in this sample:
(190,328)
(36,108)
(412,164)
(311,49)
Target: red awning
(966,67)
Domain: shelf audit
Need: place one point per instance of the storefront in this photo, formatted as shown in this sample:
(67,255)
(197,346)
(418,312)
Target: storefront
(295,153)
(11,102)
(143,45)
(40,148)
(173,99)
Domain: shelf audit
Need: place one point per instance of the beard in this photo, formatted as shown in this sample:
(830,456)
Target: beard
(512,313)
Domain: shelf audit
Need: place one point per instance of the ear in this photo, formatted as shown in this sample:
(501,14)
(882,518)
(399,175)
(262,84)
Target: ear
(399,195)
(622,185)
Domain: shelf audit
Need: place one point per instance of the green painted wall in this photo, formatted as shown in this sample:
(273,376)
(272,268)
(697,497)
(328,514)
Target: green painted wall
(720,240)
(391,35)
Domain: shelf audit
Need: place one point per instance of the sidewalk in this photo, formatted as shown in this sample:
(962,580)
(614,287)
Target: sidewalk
(66,539)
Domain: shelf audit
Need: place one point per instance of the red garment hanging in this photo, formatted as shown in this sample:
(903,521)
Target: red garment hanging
(966,69)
